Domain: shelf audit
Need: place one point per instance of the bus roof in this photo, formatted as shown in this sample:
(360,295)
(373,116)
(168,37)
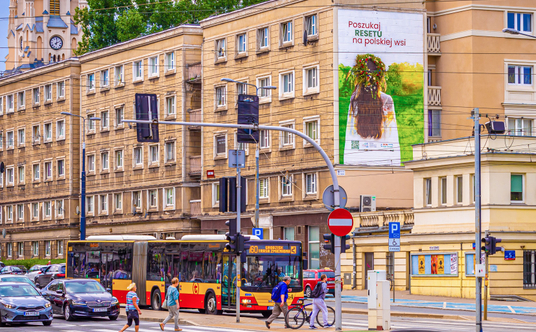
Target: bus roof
(211,237)
(120,238)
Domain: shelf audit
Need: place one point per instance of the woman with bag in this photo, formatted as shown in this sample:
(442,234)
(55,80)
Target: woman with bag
(172,304)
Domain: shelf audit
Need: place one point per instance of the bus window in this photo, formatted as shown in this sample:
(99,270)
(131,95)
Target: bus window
(93,260)
(211,262)
(265,272)
(155,263)
(195,266)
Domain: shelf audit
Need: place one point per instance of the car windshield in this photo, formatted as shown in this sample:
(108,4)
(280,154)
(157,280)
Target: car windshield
(265,272)
(22,290)
(15,279)
(78,287)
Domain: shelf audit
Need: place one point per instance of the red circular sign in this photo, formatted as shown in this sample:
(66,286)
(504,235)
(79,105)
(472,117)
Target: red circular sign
(340,222)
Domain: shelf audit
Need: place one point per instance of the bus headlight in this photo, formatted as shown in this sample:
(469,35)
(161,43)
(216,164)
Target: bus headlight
(246,301)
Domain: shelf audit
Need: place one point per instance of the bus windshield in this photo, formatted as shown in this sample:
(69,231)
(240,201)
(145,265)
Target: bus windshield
(265,272)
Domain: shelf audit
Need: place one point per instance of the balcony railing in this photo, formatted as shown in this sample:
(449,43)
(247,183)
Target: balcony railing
(434,44)
(195,166)
(194,116)
(194,71)
(434,96)
(195,207)
(380,219)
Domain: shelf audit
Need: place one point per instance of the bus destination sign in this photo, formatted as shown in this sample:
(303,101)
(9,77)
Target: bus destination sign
(273,249)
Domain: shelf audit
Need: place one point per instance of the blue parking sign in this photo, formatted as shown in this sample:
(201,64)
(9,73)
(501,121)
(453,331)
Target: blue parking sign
(258,232)
(394,230)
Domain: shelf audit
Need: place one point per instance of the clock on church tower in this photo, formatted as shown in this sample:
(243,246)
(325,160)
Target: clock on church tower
(56,43)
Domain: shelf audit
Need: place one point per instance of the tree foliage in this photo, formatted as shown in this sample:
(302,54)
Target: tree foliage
(108,22)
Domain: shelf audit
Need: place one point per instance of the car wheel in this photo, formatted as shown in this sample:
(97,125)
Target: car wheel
(113,317)
(47,323)
(156,300)
(211,307)
(67,312)
(307,291)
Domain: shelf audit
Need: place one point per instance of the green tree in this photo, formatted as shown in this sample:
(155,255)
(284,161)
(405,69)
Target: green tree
(130,24)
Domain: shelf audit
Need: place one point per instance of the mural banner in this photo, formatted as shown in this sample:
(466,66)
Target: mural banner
(381,86)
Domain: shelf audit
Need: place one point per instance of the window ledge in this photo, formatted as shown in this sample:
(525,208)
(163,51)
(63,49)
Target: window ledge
(60,99)
(138,80)
(286,45)
(309,145)
(287,148)
(107,129)
(286,199)
(36,104)
(155,165)
(263,50)
(119,127)
(91,132)
(169,208)
(264,201)
(286,97)
(170,117)
(311,197)
(61,178)
(22,146)
(170,163)
(119,85)
(220,157)
(118,212)
(22,109)
(312,38)
(10,148)
(48,141)
(221,109)
(48,180)
(265,100)
(311,92)
(105,171)
(10,111)
(170,71)
(137,168)
(105,88)
(265,150)
(153,209)
(154,76)
(90,92)
(220,60)
(91,173)
(119,170)
(60,139)
(241,55)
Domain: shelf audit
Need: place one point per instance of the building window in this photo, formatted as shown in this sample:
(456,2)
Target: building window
(9,249)
(220,49)
(48,171)
(434,123)
(35,211)
(20,249)
(516,188)
(105,120)
(215,194)
(459,189)
(263,38)
(48,132)
(9,213)
(1,105)
(90,123)
(1,140)
(241,89)
(137,70)
(529,268)
(21,174)
(47,209)
(35,248)
(22,99)
(48,92)
(264,139)
(90,208)
(118,159)
(170,151)
(153,66)
(20,212)
(520,22)
(138,156)
(119,75)
(170,197)
(520,127)
(60,248)
(105,161)
(47,248)
(286,186)
(241,43)
(263,187)
(103,204)
(36,135)
(220,145)
(10,104)
(314,247)
(310,183)
(286,32)
(152,197)
(170,105)
(10,176)
(312,129)
(286,85)
(220,96)
(310,82)
(311,25)
(428,191)
(60,92)
(288,233)
(119,116)
(91,163)
(265,94)
(59,208)
(60,129)
(105,78)
(118,202)
(519,75)
(443,182)
(61,168)
(10,140)
(36,172)
(21,137)
(90,84)
(170,61)
(153,154)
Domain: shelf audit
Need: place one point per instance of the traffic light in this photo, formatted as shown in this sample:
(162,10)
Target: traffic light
(344,246)
(146,109)
(232,236)
(248,113)
(224,191)
(329,240)
(243,244)
(487,244)
(227,201)
(494,247)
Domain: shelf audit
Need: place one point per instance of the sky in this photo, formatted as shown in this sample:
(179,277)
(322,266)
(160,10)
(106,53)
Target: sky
(4,15)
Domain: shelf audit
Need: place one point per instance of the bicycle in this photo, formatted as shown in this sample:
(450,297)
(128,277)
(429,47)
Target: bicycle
(297,315)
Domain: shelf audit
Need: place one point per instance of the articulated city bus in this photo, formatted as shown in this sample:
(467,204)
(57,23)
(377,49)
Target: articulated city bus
(206,271)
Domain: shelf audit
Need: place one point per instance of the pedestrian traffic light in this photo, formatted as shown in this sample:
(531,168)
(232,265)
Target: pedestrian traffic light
(248,113)
(146,109)
(345,246)
(494,248)
(487,245)
(232,236)
(223,199)
(329,240)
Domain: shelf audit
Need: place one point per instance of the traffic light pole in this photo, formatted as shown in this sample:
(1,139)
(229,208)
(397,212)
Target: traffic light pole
(238,267)
(329,164)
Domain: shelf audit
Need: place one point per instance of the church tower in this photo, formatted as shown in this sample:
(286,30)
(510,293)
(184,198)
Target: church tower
(41,32)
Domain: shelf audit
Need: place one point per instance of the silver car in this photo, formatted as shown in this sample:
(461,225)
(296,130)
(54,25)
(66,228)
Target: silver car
(22,303)
(35,271)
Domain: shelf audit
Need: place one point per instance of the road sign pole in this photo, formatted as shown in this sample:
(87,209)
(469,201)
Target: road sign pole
(238,210)
(338,304)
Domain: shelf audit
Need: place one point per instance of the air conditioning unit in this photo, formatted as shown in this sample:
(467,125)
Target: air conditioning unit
(368,203)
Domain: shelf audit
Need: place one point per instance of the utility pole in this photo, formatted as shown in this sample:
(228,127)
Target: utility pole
(257,186)
(478,235)
(238,211)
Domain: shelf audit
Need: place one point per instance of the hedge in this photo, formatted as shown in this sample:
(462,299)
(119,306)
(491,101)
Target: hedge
(28,263)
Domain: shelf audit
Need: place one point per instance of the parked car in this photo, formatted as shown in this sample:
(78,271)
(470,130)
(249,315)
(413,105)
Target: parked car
(80,298)
(54,271)
(11,270)
(17,278)
(312,277)
(22,303)
(22,268)
(35,271)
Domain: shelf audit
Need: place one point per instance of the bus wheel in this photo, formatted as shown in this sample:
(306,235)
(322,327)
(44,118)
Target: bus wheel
(211,307)
(156,300)
(266,313)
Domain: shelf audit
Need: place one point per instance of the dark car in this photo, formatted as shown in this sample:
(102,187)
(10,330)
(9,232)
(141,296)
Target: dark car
(80,298)
(35,271)
(11,270)
(22,303)
(54,271)
(17,278)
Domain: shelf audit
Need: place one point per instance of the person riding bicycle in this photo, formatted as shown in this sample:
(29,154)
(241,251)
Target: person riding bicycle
(318,295)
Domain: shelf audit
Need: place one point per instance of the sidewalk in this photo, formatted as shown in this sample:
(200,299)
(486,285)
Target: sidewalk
(404,299)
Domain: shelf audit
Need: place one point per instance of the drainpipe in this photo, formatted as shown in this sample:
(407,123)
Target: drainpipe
(354,271)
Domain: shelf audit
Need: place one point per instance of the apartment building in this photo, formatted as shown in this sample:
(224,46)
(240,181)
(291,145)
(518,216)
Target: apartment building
(143,188)
(39,150)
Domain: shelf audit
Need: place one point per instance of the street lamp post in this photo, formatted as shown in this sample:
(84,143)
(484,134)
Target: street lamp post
(257,189)
(83,176)
(516,32)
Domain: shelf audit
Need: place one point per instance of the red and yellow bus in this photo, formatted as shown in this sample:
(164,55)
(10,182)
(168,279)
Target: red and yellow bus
(207,272)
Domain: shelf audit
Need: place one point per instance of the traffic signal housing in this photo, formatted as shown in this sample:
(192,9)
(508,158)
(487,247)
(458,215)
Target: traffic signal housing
(232,236)
(345,246)
(146,109)
(329,240)
(248,113)
(243,244)
(228,197)
(486,241)
(490,245)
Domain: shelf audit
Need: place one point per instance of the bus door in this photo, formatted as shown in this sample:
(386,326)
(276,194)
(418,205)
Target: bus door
(106,270)
(228,292)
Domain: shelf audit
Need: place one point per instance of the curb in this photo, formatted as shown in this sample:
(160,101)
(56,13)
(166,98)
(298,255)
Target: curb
(159,320)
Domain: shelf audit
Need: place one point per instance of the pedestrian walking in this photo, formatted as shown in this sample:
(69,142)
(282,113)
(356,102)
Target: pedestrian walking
(132,308)
(172,298)
(280,297)
(319,303)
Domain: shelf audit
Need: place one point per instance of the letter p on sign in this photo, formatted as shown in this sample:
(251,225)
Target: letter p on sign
(394,230)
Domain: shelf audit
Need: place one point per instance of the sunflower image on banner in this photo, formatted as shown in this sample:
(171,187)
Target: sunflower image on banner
(421,265)
(440,264)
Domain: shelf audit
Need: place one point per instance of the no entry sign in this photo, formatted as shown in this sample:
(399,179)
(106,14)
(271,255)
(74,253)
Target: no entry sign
(340,222)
